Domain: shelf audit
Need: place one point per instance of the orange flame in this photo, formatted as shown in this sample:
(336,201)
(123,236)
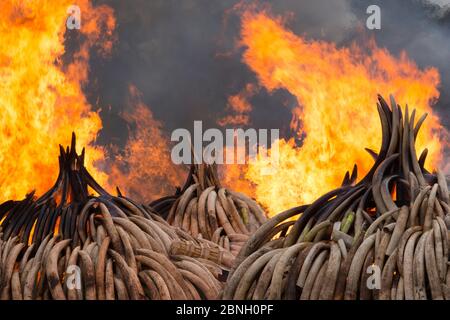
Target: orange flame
(144,170)
(336,89)
(239,106)
(41,99)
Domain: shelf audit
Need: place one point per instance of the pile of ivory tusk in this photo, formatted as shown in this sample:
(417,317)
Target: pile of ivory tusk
(71,245)
(208,211)
(385,237)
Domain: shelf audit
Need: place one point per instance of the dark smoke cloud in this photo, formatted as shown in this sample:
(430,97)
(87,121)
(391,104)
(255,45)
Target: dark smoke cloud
(182,55)
(440,8)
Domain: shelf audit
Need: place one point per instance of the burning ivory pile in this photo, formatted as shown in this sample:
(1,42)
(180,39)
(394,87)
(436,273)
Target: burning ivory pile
(68,244)
(385,237)
(206,210)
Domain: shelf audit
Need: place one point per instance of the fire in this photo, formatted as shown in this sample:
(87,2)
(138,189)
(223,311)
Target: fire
(239,106)
(144,170)
(41,98)
(336,89)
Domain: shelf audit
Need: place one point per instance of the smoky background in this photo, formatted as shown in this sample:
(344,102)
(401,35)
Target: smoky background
(185,59)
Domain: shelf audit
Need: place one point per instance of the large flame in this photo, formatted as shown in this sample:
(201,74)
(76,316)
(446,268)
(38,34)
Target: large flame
(41,98)
(144,170)
(336,89)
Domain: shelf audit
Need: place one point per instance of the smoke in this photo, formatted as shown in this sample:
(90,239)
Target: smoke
(440,3)
(440,7)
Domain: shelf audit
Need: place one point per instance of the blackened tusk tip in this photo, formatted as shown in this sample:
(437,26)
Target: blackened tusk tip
(73,142)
